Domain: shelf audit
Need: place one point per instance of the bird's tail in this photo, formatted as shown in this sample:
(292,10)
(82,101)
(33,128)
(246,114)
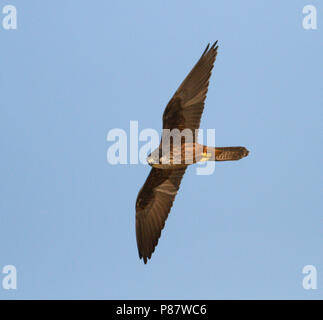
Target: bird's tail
(224,153)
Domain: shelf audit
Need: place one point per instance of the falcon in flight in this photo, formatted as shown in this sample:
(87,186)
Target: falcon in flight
(181,120)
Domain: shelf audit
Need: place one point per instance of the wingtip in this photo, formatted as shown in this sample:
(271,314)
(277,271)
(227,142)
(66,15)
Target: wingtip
(214,47)
(206,49)
(144,258)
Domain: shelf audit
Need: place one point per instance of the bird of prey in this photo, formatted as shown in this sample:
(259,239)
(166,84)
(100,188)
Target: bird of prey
(182,114)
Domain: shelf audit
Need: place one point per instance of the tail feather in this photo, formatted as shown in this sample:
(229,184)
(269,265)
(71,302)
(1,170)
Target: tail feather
(230,153)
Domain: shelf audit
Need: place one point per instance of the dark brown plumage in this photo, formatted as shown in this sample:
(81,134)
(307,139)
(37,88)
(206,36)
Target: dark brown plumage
(153,204)
(185,108)
(183,111)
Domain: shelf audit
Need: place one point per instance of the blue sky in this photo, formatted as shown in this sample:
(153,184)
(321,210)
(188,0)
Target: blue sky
(73,70)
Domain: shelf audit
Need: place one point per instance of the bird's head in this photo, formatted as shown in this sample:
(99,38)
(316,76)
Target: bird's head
(153,158)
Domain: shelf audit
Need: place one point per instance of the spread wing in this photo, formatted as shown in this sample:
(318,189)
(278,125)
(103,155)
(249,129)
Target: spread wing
(153,204)
(185,108)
